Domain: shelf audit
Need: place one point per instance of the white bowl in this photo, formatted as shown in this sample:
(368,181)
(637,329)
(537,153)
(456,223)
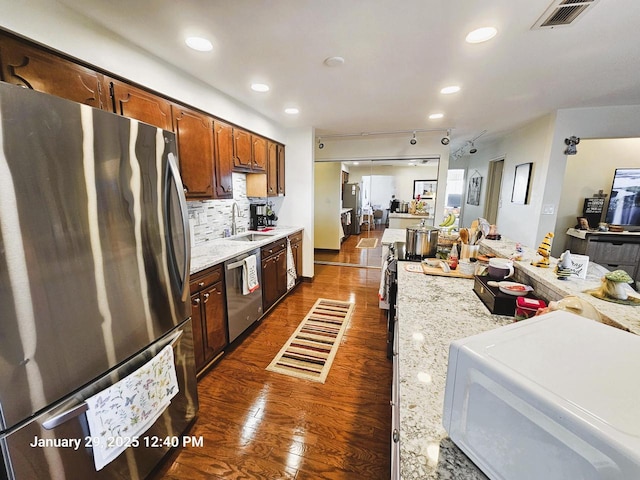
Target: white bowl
(514,288)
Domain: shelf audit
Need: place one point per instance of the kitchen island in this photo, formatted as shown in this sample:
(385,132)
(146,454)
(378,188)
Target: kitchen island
(432,312)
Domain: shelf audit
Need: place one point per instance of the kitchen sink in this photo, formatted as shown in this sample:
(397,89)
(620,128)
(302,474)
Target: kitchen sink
(251,237)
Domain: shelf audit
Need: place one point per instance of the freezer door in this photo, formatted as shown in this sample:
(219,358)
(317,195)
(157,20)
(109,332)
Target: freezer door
(94,249)
(66,423)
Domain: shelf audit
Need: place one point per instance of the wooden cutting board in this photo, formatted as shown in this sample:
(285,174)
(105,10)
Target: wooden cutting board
(428,270)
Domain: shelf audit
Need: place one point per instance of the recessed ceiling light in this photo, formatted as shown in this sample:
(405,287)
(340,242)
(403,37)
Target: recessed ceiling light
(450,89)
(259,87)
(481,35)
(198,43)
(436,116)
(356,163)
(334,61)
(291,111)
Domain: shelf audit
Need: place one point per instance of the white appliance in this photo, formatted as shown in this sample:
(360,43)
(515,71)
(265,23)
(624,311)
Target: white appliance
(553,397)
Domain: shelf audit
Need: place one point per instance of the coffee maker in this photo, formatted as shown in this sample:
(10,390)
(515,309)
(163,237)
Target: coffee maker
(258,216)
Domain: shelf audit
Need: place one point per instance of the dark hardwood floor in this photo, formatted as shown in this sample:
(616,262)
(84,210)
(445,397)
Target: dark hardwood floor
(262,425)
(349,254)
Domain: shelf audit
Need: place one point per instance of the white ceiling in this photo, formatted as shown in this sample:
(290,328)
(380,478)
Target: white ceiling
(398,55)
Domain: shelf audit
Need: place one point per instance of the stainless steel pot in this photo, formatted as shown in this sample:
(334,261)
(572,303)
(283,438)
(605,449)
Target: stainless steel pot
(403,207)
(422,241)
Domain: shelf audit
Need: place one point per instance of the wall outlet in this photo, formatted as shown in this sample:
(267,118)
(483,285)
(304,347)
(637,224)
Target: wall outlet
(548,209)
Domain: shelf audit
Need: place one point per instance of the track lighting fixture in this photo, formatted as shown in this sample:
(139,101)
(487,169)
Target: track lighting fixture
(445,141)
(571,143)
(320,144)
(413,140)
(473,149)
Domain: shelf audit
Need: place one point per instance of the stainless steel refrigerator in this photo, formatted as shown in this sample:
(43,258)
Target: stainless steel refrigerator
(351,198)
(94,268)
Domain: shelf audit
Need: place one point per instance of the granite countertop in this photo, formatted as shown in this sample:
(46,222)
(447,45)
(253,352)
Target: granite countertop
(392,235)
(574,232)
(549,287)
(409,215)
(432,312)
(215,251)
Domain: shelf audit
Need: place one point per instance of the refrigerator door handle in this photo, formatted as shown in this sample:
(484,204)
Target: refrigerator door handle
(65,416)
(175,174)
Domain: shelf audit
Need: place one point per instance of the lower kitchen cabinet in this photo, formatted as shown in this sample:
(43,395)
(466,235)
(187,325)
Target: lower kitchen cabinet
(208,313)
(296,248)
(274,272)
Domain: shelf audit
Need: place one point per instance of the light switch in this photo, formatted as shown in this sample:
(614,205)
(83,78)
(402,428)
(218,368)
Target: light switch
(548,209)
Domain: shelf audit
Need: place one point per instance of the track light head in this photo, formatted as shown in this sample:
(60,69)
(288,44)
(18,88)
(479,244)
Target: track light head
(320,144)
(445,141)
(413,140)
(571,143)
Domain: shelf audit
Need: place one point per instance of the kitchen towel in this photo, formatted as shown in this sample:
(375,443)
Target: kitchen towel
(249,275)
(291,267)
(124,411)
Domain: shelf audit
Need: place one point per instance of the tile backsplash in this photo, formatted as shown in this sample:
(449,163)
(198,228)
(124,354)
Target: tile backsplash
(210,218)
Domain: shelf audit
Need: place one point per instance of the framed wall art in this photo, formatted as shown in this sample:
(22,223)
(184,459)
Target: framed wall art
(520,193)
(473,193)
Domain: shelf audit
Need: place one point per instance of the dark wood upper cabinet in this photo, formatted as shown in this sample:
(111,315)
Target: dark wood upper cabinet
(31,67)
(195,152)
(223,140)
(242,157)
(281,172)
(144,106)
(259,153)
(272,169)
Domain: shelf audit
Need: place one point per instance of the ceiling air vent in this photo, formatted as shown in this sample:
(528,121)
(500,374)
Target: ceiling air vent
(562,13)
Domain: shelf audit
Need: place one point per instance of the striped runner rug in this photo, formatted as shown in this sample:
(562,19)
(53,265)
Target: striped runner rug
(310,351)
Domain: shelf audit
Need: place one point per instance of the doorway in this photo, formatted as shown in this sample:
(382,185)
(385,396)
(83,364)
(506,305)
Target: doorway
(494,187)
(377,182)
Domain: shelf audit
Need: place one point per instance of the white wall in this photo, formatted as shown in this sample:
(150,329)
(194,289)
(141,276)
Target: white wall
(542,142)
(587,172)
(296,207)
(327,204)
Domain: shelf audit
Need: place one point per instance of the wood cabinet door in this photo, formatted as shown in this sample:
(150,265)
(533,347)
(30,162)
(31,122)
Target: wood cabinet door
(296,248)
(280,151)
(195,152)
(223,159)
(269,281)
(215,321)
(281,275)
(241,149)
(30,67)
(133,102)
(197,324)
(259,154)
(272,169)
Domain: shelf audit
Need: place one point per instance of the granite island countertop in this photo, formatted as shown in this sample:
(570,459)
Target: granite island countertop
(212,252)
(548,286)
(433,311)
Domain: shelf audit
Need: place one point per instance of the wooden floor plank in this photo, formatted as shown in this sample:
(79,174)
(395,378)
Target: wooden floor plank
(257,424)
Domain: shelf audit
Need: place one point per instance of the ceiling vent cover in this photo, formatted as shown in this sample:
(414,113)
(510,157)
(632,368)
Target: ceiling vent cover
(563,13)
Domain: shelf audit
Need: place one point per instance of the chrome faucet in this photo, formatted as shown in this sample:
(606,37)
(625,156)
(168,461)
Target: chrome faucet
(234,208)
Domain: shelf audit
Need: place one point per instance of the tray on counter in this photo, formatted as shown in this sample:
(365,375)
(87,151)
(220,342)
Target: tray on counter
(428,270)
(497,302)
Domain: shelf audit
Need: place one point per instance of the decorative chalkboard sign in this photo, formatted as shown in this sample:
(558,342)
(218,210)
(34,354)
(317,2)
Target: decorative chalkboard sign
(592,211)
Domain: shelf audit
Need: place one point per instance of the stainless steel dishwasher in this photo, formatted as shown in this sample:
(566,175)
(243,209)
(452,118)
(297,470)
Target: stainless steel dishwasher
(242,310)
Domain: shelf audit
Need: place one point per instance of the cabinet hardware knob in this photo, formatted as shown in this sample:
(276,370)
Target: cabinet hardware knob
(196,301)
(396,435)
(206,297)
(201,284)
